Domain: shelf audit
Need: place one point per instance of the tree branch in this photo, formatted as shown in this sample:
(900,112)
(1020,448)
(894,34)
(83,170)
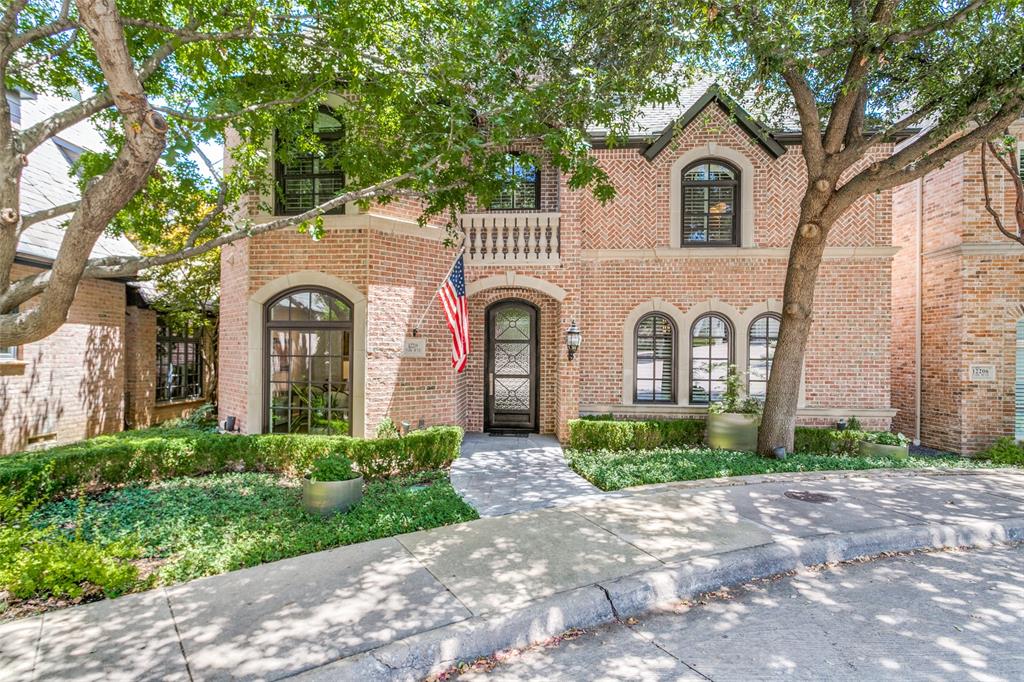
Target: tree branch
(120,266)
(930,151)
(144,131)
(810,119)
(46,214)
(1018,186)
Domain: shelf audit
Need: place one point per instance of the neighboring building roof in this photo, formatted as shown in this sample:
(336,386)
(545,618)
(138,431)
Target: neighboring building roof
(714,95)
(46,182)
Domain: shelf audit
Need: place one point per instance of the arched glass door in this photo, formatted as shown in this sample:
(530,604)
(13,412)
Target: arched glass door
(512,379)
(308,363)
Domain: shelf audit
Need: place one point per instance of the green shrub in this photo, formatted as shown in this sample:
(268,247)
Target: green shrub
(594,434)
(41,562)
(154,454)
(814,441)
(1005,451)
(886,438)
(387,429)
(332,468)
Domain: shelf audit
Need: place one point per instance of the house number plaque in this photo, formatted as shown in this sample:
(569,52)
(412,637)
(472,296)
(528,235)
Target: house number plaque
(414,347)
(983,372)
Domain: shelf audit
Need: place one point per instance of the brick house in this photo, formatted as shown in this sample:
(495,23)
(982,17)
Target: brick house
(112,364)
(957,309)
(675,279)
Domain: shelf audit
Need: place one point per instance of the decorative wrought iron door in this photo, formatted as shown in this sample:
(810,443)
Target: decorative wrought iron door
(512,379)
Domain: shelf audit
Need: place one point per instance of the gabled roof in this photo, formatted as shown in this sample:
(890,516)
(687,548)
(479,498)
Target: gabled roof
(714,95)
(46,182)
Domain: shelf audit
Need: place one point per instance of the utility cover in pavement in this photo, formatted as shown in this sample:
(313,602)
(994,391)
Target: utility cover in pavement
(806,496)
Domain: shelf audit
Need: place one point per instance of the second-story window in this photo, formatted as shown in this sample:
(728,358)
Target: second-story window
(524,195)
(710,198)
(305,181)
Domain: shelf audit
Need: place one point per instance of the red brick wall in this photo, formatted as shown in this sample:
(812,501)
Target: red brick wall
(639,215)
(848,361)
(971,293)
(140,366)
(70,384)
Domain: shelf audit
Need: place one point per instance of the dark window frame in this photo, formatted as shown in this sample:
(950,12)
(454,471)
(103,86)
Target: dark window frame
(269,325)
(10,353)
(279,169)
(750,337)
(735,184)
(731,332)
(514,158)
(190,385)
(674,335)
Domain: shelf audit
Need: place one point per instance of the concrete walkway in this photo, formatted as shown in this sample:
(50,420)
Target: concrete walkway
(500,475)
(400,607)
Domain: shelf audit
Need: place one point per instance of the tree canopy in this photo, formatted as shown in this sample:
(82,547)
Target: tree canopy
(430,94)
(861,77)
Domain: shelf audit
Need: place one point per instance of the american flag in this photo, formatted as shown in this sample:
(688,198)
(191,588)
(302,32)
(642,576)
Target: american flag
(453,299)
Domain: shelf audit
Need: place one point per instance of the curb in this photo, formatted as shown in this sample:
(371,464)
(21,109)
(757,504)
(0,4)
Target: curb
(433,651)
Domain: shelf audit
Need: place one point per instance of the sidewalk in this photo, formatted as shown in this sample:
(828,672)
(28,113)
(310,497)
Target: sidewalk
(395,608)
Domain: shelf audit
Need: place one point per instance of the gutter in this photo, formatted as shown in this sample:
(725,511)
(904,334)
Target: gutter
(918,295)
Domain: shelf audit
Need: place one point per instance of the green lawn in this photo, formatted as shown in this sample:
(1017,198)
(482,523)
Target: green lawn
(196,526)
(613,470)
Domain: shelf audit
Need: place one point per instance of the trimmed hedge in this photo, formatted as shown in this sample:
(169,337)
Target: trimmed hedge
(159,453)
(604,434)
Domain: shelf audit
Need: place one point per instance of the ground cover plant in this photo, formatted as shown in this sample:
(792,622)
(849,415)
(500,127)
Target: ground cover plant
(122,513)
(197,526)
(616,469)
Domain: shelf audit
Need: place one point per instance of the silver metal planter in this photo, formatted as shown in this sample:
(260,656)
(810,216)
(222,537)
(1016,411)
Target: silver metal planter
(732,431)
(878,450)
(331,497)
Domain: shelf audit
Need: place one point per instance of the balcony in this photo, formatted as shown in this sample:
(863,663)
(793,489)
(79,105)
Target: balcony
(512,238)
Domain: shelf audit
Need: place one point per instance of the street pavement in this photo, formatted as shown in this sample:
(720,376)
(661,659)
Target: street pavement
(952,615)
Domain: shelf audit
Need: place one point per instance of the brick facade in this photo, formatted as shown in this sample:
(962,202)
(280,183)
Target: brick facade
(611,259)
(970,299)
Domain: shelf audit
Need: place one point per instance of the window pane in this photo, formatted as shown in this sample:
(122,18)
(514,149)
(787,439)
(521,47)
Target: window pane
(710,353)
(654,372)
(698,173)
(764,336)
(717,172)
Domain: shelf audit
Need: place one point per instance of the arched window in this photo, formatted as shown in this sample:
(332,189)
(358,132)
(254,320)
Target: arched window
(761,339)
(305,181)
(710,355)
(710,204)
(654,372)
(308,362)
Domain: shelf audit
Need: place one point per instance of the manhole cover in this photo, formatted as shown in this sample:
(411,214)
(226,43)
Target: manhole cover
(807,496)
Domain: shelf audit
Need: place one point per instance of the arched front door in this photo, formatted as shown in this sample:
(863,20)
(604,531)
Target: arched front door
(512,378)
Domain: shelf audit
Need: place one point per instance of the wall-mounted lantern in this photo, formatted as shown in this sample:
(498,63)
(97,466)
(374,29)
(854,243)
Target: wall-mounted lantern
(573,337)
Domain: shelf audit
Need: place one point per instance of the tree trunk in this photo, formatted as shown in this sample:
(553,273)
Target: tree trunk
(779,418)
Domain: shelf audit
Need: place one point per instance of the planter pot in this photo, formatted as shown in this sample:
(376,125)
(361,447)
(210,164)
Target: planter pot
(877,450)
(730,431)
(330,497)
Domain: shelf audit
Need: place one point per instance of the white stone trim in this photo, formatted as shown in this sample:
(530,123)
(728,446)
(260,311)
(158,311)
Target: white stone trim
(305,278)
(629,345)
(714,151)
(677,411)
(712,252)
(513,279)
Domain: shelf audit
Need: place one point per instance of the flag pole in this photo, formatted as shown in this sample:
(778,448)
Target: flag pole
(416,327)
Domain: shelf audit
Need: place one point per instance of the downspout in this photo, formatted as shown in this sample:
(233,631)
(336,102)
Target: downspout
(918,295)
